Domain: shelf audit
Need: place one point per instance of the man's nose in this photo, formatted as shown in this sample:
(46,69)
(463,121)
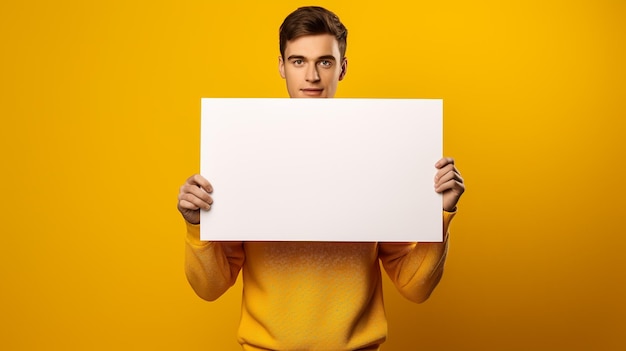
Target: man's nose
(311,74)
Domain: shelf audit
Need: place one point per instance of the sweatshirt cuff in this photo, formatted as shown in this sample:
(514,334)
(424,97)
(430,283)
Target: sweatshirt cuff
(193,234)
(447,216)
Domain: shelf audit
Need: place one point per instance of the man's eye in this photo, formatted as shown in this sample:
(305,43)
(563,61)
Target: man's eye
(298,62)
(326,63)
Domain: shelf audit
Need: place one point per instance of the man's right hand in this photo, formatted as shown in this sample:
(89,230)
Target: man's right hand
(193,196)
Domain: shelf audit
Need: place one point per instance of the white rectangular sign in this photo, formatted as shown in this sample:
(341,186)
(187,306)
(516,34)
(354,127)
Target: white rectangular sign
(322,169)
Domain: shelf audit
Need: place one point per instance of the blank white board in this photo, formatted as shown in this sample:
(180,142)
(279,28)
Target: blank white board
(322,169)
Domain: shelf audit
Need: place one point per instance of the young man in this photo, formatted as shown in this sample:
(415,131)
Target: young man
(313,295)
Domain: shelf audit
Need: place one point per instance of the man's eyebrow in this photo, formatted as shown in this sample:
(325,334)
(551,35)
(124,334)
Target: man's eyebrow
(327,57)
(295,57)
(300,57)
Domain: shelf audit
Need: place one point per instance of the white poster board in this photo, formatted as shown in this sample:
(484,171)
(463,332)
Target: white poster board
(321,169)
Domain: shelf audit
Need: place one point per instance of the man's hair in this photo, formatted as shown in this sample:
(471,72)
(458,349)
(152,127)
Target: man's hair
(312,20)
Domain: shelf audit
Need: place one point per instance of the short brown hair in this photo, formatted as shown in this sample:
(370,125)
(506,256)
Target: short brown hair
(312,20)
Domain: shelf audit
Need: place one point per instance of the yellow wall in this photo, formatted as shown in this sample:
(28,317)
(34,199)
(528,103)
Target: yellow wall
(100,108)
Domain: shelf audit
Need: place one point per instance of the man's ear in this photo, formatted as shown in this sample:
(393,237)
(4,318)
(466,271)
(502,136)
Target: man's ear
(281,66)
(344,68)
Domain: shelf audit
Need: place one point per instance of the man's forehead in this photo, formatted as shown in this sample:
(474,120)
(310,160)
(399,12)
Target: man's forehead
(313,46)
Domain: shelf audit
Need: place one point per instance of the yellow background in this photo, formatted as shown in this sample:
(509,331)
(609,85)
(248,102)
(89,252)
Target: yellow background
(100,108)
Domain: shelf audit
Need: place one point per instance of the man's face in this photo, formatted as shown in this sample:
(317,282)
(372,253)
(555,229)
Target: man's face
(312,66)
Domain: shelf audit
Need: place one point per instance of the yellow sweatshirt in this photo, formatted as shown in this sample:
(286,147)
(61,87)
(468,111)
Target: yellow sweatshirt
(313,295)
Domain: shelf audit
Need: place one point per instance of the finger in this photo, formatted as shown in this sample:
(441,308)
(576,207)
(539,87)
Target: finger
(197,192)
(444,170)
(444,161)
(451,184)
(452,174)
(197,196)
(193,202)
(447,169)
(186,205)
(200,181)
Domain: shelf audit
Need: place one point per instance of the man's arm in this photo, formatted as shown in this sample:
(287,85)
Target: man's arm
(211,267)
(416,268)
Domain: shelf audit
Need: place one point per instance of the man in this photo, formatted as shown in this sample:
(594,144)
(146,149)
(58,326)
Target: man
(313,295)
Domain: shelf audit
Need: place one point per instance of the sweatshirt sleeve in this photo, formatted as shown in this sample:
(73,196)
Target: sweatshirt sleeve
(416,268)
(211,266)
